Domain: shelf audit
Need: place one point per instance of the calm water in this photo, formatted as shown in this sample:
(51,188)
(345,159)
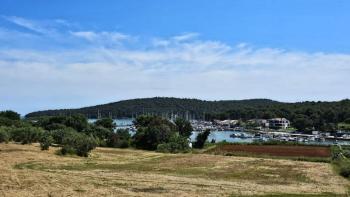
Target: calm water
(220,136)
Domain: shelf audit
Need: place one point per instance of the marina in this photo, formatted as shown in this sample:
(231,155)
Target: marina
(240,135)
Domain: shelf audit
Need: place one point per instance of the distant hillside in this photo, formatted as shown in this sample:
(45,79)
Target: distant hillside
(305,116)
(192,108)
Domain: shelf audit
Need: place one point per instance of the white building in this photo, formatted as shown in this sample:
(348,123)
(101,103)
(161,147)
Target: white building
(261,122)
(279,123)
(226,123)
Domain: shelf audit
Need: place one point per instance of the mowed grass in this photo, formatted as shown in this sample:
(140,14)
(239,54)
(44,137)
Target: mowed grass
(117,172)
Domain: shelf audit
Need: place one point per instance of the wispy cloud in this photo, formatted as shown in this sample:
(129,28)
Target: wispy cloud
(101,36)
(28,24)
(185,36)
(181,66)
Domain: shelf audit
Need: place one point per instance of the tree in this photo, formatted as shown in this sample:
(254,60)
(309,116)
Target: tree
(303,123)
(4,135)
(347,121)
(98,131)
(107,123)
(10,115)
(119,139)
(176,144)
(184,127)
(201,138)
(60,134)
(26,135)
(45,141)
(77,122)
(151,131)
(79,143)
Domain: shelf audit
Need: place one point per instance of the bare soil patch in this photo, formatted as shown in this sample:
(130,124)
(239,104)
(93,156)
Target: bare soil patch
(275,150)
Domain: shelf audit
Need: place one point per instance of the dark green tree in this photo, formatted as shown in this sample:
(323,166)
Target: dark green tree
(184,127)
(119,139)
(46,140)
(10,115)
(4,135)
(107,123)
(151,131)
(176,144)
(201,139)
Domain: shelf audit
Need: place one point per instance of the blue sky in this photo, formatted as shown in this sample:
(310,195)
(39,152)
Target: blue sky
(61,54)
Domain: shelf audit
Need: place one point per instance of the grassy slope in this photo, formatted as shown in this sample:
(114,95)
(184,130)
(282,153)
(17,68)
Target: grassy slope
(27,171)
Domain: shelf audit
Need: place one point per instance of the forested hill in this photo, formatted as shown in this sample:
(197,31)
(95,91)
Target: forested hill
(164,106)
(303,115)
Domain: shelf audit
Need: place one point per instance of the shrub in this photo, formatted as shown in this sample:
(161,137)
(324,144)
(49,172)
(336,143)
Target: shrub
(344,169)
(4,135)
(84,144)
(60,134)
(346,153)
(201,138)
(77,121)
(26,135)
(4,121)
(120,139)
(45,141)
(98,131)
(55,126)
(176,144)
(107,123)
(78,143)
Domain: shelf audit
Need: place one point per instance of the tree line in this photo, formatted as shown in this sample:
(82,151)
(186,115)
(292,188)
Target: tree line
(75,135)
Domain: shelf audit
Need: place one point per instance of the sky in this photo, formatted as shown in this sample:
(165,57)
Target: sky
(70,54)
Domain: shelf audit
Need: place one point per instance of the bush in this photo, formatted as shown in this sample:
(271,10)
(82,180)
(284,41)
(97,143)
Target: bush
(4,135)
(80,144)
(176,144)
(107,123)
(60,134)
(98,131)
(120,139)
(84,144)
(344,169)
(45,141)
(346,153)
(201,138)
(55,126)
(26,135)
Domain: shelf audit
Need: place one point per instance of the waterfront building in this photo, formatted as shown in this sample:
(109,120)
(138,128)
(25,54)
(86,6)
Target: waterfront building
(279,123)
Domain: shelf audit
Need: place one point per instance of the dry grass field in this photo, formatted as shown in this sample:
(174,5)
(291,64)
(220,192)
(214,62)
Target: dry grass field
(25,170)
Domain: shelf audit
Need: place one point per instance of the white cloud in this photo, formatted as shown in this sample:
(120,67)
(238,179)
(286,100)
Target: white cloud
(91,36)
(191,68)
(185,36)
(29,24)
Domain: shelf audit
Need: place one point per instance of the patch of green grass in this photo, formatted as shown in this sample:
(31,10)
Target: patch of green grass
(30,165)
(149,190)
(297,195)
(344,126)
